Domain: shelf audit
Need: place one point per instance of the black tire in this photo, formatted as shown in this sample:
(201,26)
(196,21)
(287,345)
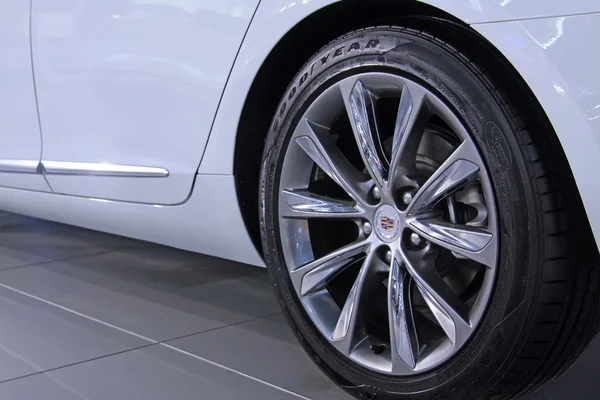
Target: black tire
(544,309)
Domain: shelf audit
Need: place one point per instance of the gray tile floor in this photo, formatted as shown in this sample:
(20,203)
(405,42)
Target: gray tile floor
(85,315)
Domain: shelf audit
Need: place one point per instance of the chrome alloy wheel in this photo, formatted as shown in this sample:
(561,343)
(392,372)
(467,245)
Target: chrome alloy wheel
(388,223)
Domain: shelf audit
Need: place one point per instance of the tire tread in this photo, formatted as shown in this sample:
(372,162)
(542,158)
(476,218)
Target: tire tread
(565,316)
(570,267)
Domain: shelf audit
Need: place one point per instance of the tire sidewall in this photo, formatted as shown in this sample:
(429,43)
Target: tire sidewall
(458,84)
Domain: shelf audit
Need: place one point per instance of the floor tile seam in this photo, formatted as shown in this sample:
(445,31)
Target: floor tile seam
(253,378)
(187,335)
(37,264)
(66,309)
(152,343)
(212,363)
(87,360)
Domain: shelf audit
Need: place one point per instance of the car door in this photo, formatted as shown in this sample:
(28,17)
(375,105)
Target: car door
(128,89)
(20,141)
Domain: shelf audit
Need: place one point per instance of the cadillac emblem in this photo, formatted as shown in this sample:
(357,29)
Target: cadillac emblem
(387,223)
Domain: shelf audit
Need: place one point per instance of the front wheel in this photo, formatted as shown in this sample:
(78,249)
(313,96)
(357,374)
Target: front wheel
(416,230)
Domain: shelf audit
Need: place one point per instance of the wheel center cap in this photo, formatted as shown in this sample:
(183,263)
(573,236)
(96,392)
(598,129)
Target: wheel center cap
(387,223)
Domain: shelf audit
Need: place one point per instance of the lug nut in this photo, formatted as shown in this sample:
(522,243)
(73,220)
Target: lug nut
(376,192)
(367,228)
(416,240)
(407,197)
(388,256)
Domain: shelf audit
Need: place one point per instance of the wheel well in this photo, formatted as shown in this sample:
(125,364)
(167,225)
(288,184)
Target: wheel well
(302,41)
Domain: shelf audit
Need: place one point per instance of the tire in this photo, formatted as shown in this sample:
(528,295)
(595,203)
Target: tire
(543,310)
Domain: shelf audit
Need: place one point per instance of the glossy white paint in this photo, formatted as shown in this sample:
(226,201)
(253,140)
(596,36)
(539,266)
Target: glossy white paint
(274,18)
(19,129)
(138,83)
(34,182)
(209,223)
(482,11)
(557,57)
(132,83)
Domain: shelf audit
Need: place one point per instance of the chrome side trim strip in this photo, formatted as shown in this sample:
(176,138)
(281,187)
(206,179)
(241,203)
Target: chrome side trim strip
(20,166)
(102,169)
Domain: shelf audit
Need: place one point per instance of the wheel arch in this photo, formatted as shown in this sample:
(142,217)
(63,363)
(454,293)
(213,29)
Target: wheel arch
(274,76)
(244,145)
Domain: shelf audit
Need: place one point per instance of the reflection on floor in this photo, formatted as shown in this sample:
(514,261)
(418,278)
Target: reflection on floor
(85,315)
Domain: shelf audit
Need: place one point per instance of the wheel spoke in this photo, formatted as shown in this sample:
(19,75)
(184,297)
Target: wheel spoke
(303,204)
(356,98)
(433,280)
(316,143)
(449,310)
(413,115)
(474,243)
(440,314)
(315,275)
(451,176)
(344,334)
(403,333)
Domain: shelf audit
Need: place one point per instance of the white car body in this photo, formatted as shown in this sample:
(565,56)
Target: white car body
(123,116)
